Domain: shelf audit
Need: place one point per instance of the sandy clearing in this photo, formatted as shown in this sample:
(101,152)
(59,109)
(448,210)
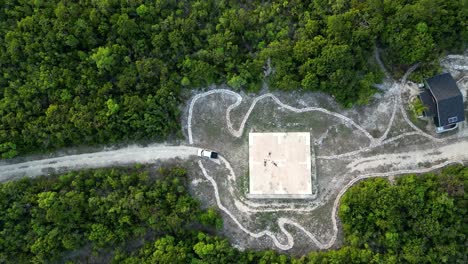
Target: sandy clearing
(456,62)
(238,133)
(380,165)
(453,151)
(129,155)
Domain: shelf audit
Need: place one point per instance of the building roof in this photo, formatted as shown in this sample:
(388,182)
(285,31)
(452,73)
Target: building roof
(428,102)
(450,108)
(448,99)
(443,86)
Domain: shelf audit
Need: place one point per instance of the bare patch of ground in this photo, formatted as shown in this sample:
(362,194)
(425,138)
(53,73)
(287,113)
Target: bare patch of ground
(382,139)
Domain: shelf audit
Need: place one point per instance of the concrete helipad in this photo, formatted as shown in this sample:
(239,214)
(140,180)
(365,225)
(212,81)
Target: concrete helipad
(280,165)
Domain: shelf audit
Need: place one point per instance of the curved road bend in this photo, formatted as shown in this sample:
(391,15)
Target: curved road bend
(127,155)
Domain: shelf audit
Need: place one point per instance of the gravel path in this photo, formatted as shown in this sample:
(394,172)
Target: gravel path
(129,155)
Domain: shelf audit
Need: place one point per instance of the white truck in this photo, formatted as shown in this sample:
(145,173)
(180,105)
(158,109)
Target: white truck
(207,154)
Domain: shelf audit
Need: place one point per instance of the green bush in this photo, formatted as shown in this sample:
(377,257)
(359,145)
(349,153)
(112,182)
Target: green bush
(418,219)
(77,73)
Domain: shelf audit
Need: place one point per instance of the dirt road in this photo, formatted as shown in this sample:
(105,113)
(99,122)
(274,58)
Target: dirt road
(129,155)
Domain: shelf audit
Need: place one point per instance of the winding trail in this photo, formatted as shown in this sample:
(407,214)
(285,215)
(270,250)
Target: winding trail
(285,221)
(398,106)
(238,133)
(374,142)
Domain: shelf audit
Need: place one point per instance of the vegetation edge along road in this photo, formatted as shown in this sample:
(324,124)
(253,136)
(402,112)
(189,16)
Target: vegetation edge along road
(417,219)
(103,72)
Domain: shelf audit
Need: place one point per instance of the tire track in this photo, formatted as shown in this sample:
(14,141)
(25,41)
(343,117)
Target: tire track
(374,142)
(286,221)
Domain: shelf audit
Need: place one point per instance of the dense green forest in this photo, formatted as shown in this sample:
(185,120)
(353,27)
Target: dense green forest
(140,216)
(418,219)
(43,219)
(98,72)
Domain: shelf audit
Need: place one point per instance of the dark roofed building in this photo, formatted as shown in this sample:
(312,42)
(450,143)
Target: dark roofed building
(443,101)
(429,102)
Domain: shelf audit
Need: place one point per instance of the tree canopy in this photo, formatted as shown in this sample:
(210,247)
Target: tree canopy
(98,72)
(416,220)
(132,216)
(45,218)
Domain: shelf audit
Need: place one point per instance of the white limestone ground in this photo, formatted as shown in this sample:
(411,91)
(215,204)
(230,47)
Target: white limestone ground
(456,62)
(441,152)
(463,85)
(239,132)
